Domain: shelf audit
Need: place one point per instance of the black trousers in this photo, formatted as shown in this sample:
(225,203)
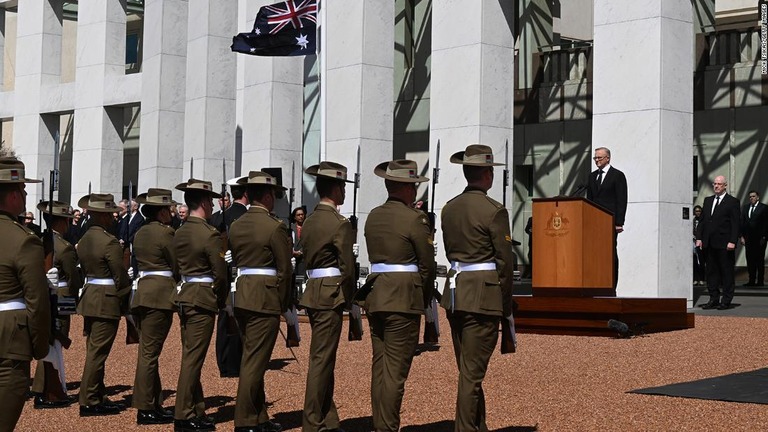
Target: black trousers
(755,253)
(229,347)
(720,278)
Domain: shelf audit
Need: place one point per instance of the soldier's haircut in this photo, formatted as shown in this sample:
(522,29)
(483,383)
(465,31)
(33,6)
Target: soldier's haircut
(394,186)
(325,186)
(6,190)
(150,212)
(194,199)
(474,173)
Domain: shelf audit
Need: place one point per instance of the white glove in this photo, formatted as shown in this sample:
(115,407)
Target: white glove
(53,278)
(293,263)
(228,256)
(435,245)
(356,250)
(130,273)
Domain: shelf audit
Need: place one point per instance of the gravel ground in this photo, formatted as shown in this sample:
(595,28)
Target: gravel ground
(553,383)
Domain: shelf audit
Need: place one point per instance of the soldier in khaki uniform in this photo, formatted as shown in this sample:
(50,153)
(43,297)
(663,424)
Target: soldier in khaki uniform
(202,293)
(104,299)
(328,240)
(401,252)
(152,302)
(25,316)
(261,249)
(70,281)
(479,247)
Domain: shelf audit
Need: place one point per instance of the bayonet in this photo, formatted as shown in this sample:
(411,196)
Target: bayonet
(505,182)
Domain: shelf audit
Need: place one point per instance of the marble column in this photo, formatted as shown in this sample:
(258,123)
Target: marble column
(360,96)
(270,108)
(471,90)
(97,154)
(643,104)
(164,68)
(209,121)
(2,49)
(38,37)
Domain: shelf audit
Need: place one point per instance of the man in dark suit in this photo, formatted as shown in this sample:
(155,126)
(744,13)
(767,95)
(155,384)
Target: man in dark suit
(718,232)
(229,345)
(754,231)
(607,187)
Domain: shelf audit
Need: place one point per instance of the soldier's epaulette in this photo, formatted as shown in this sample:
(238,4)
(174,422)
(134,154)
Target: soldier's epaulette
(62,239)
(495,203)
(23,228)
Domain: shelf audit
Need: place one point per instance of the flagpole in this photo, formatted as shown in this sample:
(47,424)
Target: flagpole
(323,83)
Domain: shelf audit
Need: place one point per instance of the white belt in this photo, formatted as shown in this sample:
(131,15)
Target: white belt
(163,273)
(197,279)
(394,268)
(13,304)
(256,271)
(468,267)
(99,281)
(323,272)
(63,284)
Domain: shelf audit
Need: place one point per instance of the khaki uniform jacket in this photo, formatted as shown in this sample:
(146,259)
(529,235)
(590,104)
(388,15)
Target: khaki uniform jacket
(259,240)
(65,260)
(101,256)
(398,234)
(476,230)
(153,248)
(23,333)
(199,253)
(328,238)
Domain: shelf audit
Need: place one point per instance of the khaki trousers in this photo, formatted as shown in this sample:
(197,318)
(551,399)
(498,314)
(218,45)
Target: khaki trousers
(100,334)
(153,326)
(474,339)
(259,334)
(394,337)
(14,383)
(319,410)
(196,332)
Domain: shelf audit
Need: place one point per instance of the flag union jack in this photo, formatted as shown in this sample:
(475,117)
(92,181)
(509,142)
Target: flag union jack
(278,15)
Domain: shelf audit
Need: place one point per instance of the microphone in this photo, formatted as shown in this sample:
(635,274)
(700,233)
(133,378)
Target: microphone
(578,191)
(619,327)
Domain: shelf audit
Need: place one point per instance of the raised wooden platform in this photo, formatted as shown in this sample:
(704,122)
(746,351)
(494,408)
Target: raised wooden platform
(588,316)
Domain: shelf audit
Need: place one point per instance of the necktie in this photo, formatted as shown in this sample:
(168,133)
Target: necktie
(751,210)
(717,202)
(600,179)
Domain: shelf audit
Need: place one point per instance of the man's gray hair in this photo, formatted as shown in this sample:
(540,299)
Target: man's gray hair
(605,149)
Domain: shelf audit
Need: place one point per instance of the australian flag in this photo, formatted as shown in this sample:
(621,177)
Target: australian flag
(287,28)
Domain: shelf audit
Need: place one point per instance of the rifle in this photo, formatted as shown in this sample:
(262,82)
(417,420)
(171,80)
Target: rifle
(131,332)
(355,315)
(508,336)
(291,316)
(54,389)
(431,319)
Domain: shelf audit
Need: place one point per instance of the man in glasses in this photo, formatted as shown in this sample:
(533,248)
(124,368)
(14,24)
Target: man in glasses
(607,187)
(717,234)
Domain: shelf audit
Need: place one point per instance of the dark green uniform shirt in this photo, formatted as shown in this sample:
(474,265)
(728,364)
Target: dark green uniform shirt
(65,260)
(101,256)
(476,230)
(199,253)
(153,248)
(398,234)
(23,333)
(328,238)
(260,240)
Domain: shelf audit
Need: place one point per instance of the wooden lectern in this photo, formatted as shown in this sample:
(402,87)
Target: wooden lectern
(573,248)
(572,283)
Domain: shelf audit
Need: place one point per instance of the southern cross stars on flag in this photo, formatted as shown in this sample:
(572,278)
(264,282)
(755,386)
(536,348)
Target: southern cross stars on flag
(282,29)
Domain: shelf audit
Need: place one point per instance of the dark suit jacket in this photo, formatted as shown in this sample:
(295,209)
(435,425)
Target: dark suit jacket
(718,229)
(122,228)
(756,227)
(134,225)
(611,194)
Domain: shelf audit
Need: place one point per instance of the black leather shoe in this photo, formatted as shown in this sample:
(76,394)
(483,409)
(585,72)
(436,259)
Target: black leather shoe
(146,417)
(193,425)
(710,305)
(270,426)
(41,403)
(248,429)
(120,406)
(724,306)
(98,410)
